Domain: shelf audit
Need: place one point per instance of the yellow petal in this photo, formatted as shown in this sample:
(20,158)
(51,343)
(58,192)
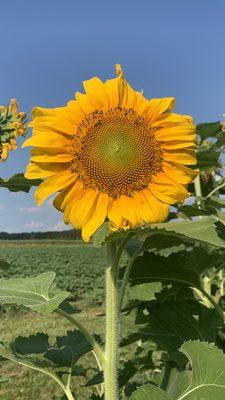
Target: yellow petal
(71,192)
(125,206)
(166,190)
(174,145)
(47,139)
(75,110)
(183,156)
(41,170)
(96,93)
(129,97)
(82,208)
(115,218)
(53,184)
(55,124)
(33,171)
(179,173)
(97,218)
(159,210)
(84,103)
(42,157)
(111,87)
(65,113)
(141,103)
(122,84)
(173,119)
(157,107)
(181,132)
(50,151)
(41,111)
(143,207)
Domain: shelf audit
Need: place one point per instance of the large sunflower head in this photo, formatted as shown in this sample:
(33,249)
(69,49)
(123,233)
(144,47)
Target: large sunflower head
(113,155)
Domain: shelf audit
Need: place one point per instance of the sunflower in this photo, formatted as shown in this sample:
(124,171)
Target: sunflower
(12,125)
(113,155)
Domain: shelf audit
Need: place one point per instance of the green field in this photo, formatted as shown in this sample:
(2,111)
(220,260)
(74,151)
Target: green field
(80,269)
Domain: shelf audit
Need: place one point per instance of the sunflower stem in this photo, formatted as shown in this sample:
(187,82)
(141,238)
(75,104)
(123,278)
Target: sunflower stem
(198,192)
(112,324)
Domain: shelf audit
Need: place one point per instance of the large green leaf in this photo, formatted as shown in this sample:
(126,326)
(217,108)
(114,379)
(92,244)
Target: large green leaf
(208,372)
(34,361)
(37,353)
(186,269)
(68,349)
(207,378)
(204,230)
(169,325)
(37,293)
(150,392)
(18,183)
(144,292)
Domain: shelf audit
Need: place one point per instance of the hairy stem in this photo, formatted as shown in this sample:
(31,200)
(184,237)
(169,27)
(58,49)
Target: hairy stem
(112,324)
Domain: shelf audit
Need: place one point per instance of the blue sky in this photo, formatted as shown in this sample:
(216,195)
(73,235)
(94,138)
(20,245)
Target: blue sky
(48,47)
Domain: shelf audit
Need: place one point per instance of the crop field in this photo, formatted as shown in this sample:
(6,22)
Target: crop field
(79,268)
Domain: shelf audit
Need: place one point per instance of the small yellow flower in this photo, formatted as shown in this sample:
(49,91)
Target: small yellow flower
(113,155)
(12,124)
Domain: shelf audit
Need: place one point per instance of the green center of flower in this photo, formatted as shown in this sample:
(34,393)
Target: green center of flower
(116,152)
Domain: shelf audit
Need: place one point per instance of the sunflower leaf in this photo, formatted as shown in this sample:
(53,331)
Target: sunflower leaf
(210,129)
(150,392)
(18,183)
(186,269)
(206,380)
(208,372)
(204,230)
(37,293)
(169,325)
(37,353)
(68,349)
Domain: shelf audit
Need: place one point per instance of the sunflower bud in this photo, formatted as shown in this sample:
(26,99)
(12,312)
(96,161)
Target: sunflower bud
(12,125)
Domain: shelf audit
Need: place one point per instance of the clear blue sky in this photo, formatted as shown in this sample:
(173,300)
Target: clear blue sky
(167,47)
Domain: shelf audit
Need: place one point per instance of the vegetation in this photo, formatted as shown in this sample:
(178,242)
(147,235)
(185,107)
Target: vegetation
(62,235)
(79,268)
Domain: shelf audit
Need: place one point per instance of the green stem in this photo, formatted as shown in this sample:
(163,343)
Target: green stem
(112,323)
(215,190)
(96,347)
(126,276)
(69,378)
(68,394)
(166,376)
(65,389)
(212,301)
(198,192)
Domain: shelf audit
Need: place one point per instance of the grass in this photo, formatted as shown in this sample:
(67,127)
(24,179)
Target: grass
(25,384)
(81,267)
